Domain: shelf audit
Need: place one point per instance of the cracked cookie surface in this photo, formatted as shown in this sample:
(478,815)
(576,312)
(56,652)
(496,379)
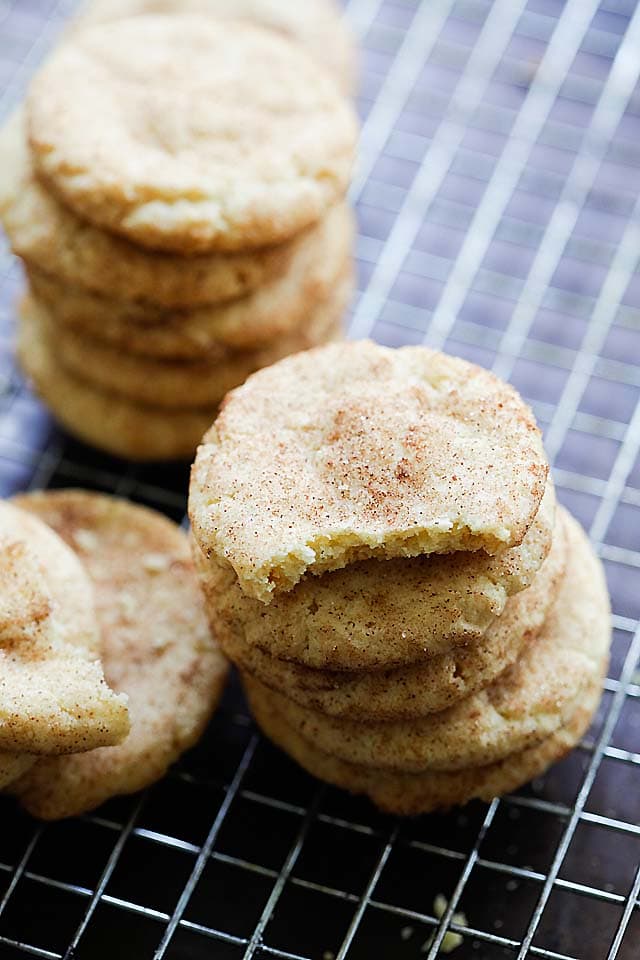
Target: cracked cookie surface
(184,135)
(316,24)
(156,646)
(53,694)
(51,238)
(355,451)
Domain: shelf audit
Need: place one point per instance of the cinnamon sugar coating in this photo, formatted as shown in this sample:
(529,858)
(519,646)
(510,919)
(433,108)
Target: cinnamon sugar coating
(354,451)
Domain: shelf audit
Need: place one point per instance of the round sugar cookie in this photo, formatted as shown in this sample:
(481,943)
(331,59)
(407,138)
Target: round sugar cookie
(51,238)
(355,451)
(119,426)
(375,615)
(407,794)
(417,690)
(53,695)
(156,647)
(527,703)
(315,24)
(184,385)
(282,308)
(187,134)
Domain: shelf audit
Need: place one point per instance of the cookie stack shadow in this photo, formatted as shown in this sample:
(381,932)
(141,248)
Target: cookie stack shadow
(420,678)
(181,224)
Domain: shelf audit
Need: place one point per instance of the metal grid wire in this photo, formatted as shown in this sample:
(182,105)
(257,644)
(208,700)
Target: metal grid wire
(498,205)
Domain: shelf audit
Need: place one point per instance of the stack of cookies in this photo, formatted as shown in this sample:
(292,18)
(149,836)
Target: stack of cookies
(175,187)
(382,557)
(90,582)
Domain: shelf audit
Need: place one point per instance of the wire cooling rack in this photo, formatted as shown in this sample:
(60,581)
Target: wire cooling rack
(498,205)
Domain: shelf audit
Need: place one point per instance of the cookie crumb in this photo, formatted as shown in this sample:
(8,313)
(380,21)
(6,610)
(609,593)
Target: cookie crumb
(451,942)
(440,905)
(451,939)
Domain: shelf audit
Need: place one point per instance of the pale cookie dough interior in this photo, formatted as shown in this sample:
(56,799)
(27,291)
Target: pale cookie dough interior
(53,695)
(359,451)
(121,123)
(530,701)
(376,614)
(156,646)
(317,24)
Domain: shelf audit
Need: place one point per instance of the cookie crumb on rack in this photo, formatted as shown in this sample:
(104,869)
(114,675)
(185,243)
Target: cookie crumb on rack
(451,939)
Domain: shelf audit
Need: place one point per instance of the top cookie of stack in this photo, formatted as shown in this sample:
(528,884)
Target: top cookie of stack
(177,193)
(316,25)
(358,451)
(376,535)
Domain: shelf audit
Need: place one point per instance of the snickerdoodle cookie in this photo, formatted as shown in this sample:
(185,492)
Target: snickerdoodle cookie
(51,238)
(53,695)
(156,646)
(184,135)
(354,451)
(316,24)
